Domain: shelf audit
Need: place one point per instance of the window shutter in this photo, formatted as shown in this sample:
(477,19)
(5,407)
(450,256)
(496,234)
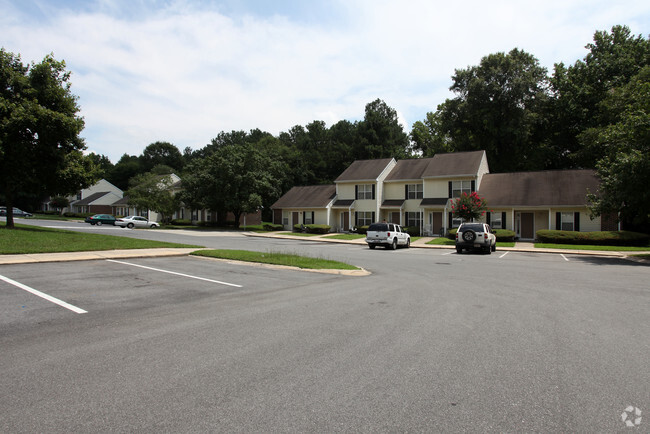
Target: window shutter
(373,217)
(406,192)
(312,218)
(450,191)
(373,193)
(451,216)
(356,219)
(558,221)
(356,192)
(473,185)
(503,220)
(576,222)
(488,217)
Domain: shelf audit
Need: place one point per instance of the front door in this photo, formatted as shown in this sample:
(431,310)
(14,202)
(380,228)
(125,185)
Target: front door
(525,225)
(295,219)
(345,221)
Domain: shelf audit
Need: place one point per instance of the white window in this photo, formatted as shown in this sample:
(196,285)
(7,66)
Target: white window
(567,221)
(308,217)
(414,191)
(455,222)
(364,191)
(364,218)
(460,187)
(413,219)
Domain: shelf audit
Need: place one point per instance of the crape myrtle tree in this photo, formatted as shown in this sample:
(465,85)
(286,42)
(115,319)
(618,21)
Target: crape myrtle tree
(469,207)
(40,147)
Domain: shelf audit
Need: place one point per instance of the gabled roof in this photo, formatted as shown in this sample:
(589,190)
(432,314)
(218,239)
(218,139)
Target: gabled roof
(314,196)
(364,170)
(545,188)
(409,169)
(92,198)
(454,164)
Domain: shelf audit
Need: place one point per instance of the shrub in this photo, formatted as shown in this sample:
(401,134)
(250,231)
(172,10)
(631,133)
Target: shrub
(413,231)
(318,229)
(601,238)
(272,227)
(451,234)
(182,222)
(504,235)
(362,229)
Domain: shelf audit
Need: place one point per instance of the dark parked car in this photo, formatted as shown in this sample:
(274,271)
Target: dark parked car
(100,219)
(17,212)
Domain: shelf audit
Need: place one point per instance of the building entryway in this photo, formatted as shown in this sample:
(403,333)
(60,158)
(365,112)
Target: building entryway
(525,225)
(345,221)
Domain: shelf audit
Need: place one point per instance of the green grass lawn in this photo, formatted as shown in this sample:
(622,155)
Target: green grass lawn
(345,237)
(442,241)
(299,234)
(276,259)
(31,239)
(590,247)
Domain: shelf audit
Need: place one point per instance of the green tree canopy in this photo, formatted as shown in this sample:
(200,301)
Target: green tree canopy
(40,146)
(497,110)
(380,134)
(153,192)
(162,153)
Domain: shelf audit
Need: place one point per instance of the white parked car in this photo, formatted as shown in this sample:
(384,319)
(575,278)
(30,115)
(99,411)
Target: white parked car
(475,236)
(134,221)
(388,235)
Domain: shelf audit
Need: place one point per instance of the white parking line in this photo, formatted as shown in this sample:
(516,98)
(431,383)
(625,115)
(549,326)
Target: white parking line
(175,273)
(503,255)
(565,258)
(43,295)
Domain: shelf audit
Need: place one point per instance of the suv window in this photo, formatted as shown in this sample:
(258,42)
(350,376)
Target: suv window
(378,227)
(476,227)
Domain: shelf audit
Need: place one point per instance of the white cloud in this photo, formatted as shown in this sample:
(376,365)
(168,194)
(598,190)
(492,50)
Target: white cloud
(184,72)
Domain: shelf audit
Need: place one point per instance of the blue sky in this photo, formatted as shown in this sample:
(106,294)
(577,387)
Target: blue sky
(183,70)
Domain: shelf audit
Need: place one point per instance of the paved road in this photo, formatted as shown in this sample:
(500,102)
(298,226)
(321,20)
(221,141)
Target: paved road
(431,341)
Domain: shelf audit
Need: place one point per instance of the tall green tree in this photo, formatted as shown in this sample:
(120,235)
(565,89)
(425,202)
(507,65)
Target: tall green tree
(162,153)
(126,168)
(498,109)
(380,134)
(237,178)
(40,146)
(624,169)
(613,59)
(429,138)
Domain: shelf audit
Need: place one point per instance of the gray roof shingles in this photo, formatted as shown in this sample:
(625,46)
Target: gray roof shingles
(454,164)
(364,170)
(545,188)
(314,196)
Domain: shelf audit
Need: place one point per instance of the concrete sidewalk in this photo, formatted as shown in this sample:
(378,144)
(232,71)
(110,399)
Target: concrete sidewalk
(88,256)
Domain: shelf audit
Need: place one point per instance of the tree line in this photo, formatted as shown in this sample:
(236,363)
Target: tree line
(591,114)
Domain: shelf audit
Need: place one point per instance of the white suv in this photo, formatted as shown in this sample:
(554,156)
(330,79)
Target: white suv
(388,235)
(475,236)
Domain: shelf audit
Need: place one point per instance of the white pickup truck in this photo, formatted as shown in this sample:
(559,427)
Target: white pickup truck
(388,235)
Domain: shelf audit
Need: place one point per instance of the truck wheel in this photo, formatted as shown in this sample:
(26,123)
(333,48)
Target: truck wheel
(371,246)
(394,245)
(408,243)
(459,250)
(494,247)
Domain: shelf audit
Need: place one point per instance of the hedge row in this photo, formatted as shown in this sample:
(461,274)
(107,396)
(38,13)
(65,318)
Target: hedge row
(312,229)
(600,238)
(503,235)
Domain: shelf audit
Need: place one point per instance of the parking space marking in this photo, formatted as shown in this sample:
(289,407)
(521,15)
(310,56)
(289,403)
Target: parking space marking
(565,258)
(503,255)
(175,273)
(38,293)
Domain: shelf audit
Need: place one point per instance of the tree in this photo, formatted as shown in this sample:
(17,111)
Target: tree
(498,109)
(40,147)
(239,178)
(579,89)
(624,169)
(469,207)
(429,138)
(380,134)
(126,168)
(153,192)
(162,153)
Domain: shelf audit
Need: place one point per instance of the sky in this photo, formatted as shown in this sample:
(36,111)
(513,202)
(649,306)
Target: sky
(182,71)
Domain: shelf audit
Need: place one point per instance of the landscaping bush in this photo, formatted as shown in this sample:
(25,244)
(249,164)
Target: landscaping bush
(451,234)
(504,235)
(272,227)
(600,238)
(318,229)
(182,222)
(413,231)
(81,215)
(362,230)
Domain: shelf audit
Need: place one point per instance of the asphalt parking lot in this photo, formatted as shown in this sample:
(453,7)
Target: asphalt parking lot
(430,341)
